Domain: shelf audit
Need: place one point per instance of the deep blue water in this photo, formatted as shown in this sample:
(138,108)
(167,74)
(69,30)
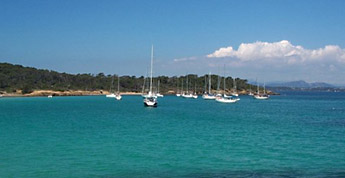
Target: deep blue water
(296,134)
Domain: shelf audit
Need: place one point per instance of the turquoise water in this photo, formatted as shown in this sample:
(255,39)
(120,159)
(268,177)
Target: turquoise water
(292,135)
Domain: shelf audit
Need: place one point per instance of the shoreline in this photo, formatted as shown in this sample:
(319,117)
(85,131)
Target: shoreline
(45,93)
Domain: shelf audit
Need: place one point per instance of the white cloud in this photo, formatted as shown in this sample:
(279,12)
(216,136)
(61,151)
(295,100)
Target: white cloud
(280,51)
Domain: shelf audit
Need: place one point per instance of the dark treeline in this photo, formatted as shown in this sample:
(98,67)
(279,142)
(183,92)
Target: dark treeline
(27,79)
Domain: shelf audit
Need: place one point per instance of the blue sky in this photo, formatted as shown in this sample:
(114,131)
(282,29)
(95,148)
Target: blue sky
(116,36)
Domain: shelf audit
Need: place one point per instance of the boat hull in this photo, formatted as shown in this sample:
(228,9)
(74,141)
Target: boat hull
(225,100)
(261,97)
(110,96)
(208,97)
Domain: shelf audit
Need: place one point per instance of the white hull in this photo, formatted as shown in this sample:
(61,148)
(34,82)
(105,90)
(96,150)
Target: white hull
(208,97)
(160,95)
(178,95)
(226,100)
(150,102)
(259,97)
(110,95)
(195,96)
(234,94)
(118,97)
(187,96)
(251,94)
(50,96)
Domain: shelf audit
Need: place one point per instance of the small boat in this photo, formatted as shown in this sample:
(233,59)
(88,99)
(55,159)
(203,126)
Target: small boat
(112,94)
(158,94)
(118,95)
(263,96)
(150,102)
(250,91)
(50,96)
(234,92)
(225,98)
(151,99)
(177,92)
(208,95)
(187,94)
(195,96)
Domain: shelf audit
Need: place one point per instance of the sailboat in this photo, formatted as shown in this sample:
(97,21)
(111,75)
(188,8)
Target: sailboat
(263,96)
(187,94)
(208,95)
(143,90)
(250,90)
(234,92)
(49,96)
(158,94)
(118,95)
(111,95)
(225,98)
(195,95)
(218,86)
(177,93)
(150,99)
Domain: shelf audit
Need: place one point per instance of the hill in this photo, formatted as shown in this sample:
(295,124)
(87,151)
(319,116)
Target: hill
(27,79)
(300,84)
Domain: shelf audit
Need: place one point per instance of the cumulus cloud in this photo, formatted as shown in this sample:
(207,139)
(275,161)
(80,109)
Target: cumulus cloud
(282,50)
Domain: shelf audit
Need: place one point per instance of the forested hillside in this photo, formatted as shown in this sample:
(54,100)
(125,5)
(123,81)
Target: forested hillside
(27,79)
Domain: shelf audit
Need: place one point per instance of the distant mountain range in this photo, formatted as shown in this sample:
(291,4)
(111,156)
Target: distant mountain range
(301,84)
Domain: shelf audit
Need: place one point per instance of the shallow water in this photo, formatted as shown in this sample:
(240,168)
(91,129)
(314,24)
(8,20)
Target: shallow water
(296,134)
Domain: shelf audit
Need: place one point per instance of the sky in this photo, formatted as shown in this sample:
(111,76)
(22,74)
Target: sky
(272,40)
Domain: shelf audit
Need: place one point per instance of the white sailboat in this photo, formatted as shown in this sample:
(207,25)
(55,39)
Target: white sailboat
(49,96)
(250,91)
(158,94)
(143,90)
(225,98)
(187,94)
(178,94)
(118,95)
(150,99)
(195,95)
(112,94)
(263,96)
(234,92)
(208,95)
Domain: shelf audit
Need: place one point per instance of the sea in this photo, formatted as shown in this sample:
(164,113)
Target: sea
(295,134)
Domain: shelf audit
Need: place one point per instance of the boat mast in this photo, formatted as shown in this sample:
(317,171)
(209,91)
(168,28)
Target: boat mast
(112,83)
(118,85)
(205,84)
(218,84)
(158,87)
(182,92)
(187,85)
(209,83)
(258,86)
(151,70)
(224,81)
(264,88)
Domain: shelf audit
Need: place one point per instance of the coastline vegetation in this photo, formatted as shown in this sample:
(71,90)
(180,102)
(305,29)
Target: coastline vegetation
(14,78)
